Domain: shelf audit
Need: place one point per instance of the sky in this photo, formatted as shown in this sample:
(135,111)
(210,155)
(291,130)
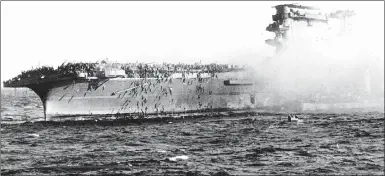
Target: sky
(49,33)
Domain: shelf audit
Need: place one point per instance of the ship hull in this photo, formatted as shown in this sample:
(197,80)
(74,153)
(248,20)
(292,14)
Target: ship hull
(146,97)
(224,93)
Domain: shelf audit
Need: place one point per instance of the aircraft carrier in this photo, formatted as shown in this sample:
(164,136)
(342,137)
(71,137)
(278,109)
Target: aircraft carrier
(94,90)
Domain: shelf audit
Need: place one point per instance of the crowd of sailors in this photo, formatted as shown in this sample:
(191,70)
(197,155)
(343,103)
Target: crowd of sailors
(69,69)
(132,70)
(142,70)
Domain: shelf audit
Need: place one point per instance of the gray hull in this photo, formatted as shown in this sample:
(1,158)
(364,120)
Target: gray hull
(92,99)
(147,97)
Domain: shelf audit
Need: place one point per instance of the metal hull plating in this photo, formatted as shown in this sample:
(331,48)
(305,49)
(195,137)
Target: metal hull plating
(147,96)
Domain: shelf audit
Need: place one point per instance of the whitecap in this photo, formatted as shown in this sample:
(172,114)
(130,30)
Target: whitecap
(33,135)
(181,157)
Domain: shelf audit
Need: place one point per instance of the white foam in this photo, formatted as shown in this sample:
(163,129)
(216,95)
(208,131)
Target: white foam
(33,135)
(182,157)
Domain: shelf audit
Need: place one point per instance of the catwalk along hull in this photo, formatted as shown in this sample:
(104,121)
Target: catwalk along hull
(72,99)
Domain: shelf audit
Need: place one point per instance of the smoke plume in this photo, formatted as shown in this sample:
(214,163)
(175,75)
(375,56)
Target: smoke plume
(324,59)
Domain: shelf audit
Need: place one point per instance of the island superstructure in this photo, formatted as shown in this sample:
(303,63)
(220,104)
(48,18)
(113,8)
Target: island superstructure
(300,28)
(290,17)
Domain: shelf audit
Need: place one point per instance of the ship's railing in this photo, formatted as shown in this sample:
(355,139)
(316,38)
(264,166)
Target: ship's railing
(191,75)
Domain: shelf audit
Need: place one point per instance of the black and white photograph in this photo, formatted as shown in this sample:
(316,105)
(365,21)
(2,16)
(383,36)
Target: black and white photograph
(195,88)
